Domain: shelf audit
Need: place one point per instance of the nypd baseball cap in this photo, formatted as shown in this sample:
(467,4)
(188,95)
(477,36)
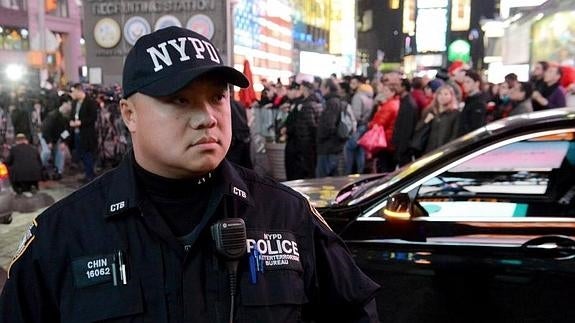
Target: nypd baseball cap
(165,61)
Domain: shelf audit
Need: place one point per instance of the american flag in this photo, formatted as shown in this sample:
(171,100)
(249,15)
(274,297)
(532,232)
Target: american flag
(263,35)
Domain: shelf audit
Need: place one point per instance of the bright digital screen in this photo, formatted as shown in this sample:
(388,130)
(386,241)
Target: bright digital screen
(431,4)
(431,25)
(318,64)
(497,71)
(429,60)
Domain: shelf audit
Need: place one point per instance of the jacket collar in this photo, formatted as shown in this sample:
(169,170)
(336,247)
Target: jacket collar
(124,194)
(234,184)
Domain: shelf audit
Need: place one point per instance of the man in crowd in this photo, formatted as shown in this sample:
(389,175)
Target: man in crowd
(553,95)
(475,109)
(54,134)
(536,78)
(407,117)
(24,165)
(520,94)
(83,123)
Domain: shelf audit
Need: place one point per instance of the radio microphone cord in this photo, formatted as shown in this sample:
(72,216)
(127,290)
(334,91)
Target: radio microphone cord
(229,236)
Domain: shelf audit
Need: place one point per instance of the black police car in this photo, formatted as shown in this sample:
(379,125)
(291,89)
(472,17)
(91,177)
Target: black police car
(479,230)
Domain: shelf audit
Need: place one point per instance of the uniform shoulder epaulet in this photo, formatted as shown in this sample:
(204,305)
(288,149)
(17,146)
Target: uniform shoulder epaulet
(25,241)
(318,216)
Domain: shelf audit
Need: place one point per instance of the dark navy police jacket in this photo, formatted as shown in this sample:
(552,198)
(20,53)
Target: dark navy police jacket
(67,268)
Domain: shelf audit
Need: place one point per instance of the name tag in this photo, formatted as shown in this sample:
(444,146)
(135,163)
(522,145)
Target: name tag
(93,270)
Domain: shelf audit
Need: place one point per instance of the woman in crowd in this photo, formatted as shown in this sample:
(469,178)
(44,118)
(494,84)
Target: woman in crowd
(442,118)
(362,106)
(385,116)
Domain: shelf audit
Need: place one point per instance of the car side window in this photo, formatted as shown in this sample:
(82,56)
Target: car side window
(529,178)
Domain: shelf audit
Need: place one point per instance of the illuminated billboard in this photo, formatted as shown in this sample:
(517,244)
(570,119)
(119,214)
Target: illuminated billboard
(314,13)
(263,35)
(431,27)
(553,38)
(409,17)
(460,15)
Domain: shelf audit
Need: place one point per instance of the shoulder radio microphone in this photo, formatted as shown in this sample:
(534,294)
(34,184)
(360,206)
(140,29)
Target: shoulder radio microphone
(229,236)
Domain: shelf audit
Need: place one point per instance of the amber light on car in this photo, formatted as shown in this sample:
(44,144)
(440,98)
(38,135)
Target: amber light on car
(3,171)
(396,215)
(398,207)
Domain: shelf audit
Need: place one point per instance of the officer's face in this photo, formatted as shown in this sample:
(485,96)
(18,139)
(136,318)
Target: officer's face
(183,135)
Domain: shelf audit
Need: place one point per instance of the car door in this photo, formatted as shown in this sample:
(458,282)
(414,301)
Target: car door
(496,243)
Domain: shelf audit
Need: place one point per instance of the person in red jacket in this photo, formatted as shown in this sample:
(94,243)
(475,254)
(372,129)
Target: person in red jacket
(385,116)
(418,93)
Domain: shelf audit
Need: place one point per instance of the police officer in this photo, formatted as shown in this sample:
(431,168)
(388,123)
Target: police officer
(152,240)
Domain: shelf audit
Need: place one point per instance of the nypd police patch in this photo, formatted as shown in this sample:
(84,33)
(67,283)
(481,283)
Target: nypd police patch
(277,250)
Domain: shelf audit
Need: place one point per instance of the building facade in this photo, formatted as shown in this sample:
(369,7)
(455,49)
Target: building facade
(43,37)
(417,35)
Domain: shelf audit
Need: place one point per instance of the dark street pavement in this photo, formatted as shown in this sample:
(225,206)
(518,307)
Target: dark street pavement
(11,234)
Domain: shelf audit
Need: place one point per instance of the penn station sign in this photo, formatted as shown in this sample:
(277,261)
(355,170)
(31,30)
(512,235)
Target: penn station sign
(112,27)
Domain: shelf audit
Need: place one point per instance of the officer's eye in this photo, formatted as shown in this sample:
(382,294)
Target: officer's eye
(179,100)
(219,97)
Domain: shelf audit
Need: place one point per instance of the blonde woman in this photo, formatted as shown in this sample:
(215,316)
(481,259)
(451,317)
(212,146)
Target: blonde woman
(441,119)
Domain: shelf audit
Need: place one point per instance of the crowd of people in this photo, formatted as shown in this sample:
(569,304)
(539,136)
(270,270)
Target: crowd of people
(72,129)
(79,127)
(417,115)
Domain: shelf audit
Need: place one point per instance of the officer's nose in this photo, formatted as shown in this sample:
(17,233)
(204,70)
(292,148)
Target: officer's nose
(203,117)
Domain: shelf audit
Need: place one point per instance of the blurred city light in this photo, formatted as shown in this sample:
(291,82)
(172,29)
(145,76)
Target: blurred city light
(258,87)
(459,50)
(506,5)
(14,72)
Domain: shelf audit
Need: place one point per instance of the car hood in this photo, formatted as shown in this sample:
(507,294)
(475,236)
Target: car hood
(324,192)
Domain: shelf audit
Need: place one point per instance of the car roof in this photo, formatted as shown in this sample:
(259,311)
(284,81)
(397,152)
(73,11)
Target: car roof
(493,132)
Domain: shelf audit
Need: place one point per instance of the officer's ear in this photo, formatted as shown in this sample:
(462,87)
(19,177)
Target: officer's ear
(128,111)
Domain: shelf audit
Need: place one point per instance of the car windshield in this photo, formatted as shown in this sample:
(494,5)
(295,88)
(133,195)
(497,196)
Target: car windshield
(529,178)
(371,188)
(453,150)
